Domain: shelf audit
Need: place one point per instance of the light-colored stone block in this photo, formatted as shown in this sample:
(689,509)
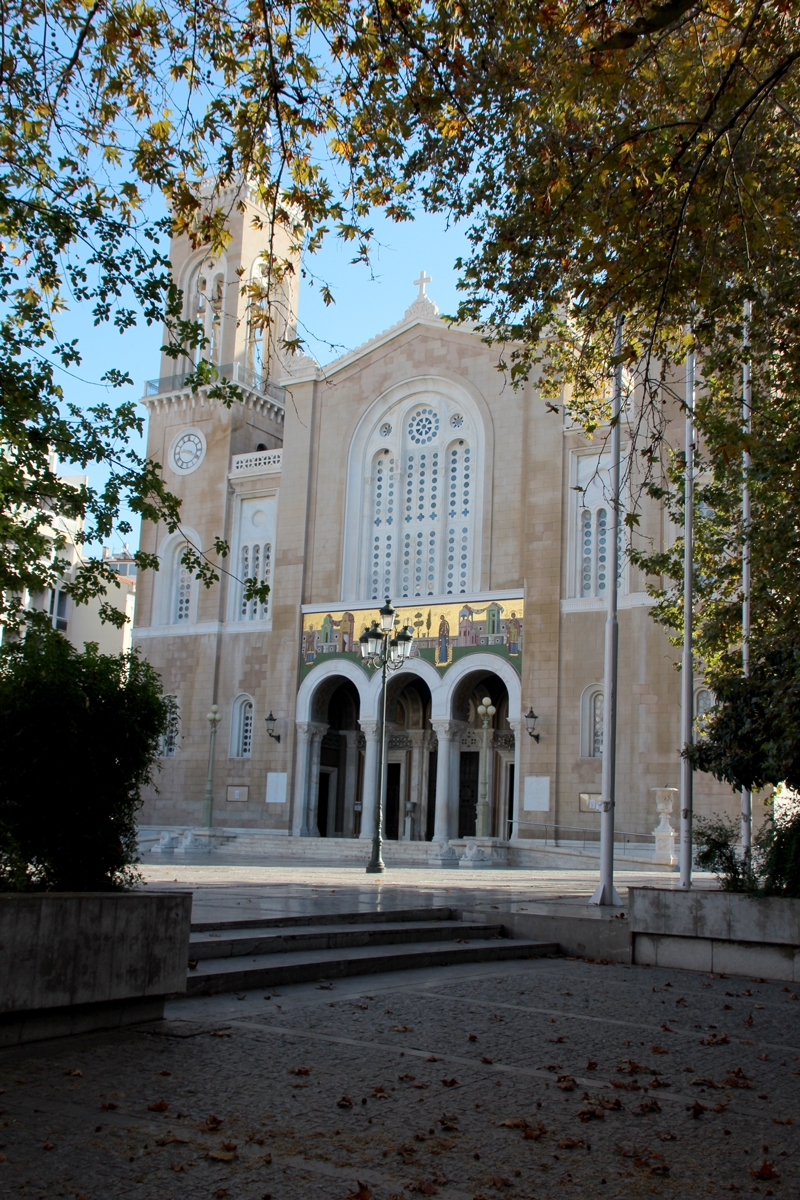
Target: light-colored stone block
(749,958)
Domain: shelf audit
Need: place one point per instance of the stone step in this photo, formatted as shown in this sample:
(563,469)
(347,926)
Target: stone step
(214,976)
(331,918)
(221,943)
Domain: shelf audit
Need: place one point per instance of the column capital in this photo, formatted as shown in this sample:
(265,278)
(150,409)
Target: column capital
(371,730)
(446,730)
(515,724)
(308,730)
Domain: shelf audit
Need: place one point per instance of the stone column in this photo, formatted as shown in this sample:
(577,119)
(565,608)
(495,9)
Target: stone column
(369,791)
(516,726)
(313,778)
(305,735)
(448,735)
(350,780)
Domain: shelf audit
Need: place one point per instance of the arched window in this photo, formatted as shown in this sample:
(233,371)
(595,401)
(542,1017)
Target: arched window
(255,562)
(421,508)
(596,732)
(169,740)
(242,727)
(182,590)
(704,702)
(204,302)
(593,519)
(592,722)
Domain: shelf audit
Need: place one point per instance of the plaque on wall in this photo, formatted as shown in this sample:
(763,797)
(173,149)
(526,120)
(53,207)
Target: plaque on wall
(590,802)
(237,793)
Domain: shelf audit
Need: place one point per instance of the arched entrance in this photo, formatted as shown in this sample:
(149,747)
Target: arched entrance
(410,761)
(485,759)
(338,808)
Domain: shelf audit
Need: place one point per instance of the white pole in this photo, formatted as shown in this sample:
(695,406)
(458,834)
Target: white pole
(687,666)
(606,893)
(747,795)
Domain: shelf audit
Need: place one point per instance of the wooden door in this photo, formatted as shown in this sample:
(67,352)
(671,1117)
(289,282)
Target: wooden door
(468,793)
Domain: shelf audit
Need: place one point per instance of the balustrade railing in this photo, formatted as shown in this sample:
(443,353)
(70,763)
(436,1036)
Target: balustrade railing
(234,372)
(259,462)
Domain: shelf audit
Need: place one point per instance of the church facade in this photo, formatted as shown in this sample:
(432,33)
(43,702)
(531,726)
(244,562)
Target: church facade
(409,469)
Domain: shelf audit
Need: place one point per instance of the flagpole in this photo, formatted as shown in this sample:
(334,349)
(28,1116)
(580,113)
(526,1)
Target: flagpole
(606,893)
(687,665)
(747,795)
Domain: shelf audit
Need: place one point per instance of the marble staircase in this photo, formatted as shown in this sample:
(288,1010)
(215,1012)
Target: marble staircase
(234,956)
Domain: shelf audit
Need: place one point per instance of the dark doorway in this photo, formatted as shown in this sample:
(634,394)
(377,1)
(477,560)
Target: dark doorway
(468,793)
(391,820)
(322,803)
(510,807)
(431,821)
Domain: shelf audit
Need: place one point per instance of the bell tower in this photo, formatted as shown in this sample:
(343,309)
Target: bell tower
(244,298)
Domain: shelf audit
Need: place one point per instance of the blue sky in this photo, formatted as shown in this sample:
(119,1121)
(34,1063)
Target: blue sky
(368,300)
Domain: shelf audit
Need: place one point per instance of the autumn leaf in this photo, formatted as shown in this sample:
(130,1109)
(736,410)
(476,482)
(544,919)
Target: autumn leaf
(449,1083)
(211,1124)
(696,1110)
(566,1083)
(766,1171)
(345,1102)
(300,1070)
(159,1106)
(362,1192)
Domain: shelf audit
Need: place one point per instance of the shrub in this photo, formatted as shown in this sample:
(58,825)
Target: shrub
(772,868)
(79,737)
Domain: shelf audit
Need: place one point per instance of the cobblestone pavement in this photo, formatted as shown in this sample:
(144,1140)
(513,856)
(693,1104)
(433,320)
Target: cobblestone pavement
(549,1078)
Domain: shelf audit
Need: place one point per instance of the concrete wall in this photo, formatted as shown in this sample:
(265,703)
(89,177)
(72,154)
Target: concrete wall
(722,932)
(67,952)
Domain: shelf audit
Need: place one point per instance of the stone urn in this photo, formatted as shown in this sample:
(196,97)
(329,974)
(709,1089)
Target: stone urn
(664,833)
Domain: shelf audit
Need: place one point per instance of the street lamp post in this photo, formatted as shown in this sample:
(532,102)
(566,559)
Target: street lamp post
(486,711)
(214,718)
(380,650)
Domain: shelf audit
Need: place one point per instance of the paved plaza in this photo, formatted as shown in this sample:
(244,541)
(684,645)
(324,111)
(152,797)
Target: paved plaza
(551,1077)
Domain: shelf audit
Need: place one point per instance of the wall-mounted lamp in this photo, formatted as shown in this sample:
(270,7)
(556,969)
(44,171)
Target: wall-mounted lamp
(530,724)
(270,723)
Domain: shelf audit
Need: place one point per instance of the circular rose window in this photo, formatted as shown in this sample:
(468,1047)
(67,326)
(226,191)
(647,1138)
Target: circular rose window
(423,426)
(187,452)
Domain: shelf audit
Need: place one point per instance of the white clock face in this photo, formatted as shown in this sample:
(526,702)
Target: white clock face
(187,451)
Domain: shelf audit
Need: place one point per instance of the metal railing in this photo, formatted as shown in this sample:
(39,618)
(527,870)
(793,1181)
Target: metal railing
(572,836)
(234,372)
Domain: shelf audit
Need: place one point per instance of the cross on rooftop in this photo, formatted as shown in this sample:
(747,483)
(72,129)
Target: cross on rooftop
(422,282)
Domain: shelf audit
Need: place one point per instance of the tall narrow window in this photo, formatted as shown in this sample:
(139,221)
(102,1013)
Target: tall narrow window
(592,529)
(255,562)
(169,740)
(58,609)
(183,592)
(242,727)
(596,726)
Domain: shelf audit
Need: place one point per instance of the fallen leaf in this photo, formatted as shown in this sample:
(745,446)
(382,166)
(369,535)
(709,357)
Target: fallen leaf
(171,1139)
(159,1106)
(766,1171)
(363,1192)
(629,1067)
(410,1078)
(666,1136)
(48,1146)
(487,1060)
(590,1114)
(403,1028)
(473,1037)
(648,1106)
(566,1083)
(165,1072)
(221,1155)
(211,1123)
(697,1109)
(221,1032)
(787,1121)
(659,1050)
(449,1083)
(301,1070)
(74,1073)
(715,1039)
(345,1102)
(709,1083)
(591,1066)
(570,1143)
(424,1186)
(229,1146)
(736,1078)
(109,1105)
